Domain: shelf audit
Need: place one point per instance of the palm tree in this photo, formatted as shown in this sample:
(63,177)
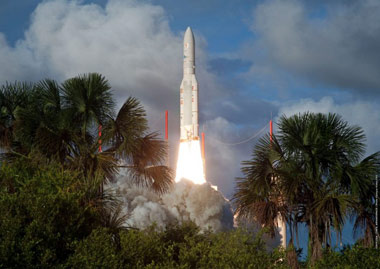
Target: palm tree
(258,196)
(60,122)
(311,173)
(88,100)
(13,96)
(128,138)
(50,123)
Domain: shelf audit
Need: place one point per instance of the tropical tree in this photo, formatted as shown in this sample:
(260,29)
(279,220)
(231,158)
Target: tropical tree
(128,139)
(12,97)
(88,101)
(311,172)
(60,123)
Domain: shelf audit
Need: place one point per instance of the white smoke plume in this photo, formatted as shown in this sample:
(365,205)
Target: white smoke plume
(186,201)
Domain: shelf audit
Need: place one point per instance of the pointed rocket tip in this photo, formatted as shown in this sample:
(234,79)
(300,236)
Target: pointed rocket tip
(189,36)
(189,33)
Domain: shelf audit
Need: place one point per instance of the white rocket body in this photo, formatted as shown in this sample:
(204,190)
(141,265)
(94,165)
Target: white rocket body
(189,164)
(189,91)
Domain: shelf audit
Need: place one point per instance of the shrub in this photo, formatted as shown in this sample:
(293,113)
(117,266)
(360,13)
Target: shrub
(41,214)
(356,257)
(98,250)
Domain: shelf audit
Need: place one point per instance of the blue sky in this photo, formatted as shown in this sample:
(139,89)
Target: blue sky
(254,59)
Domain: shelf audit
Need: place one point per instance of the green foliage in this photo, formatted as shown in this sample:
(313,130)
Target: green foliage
(52,171)
(312,172)
(54,212)
(52,217)
(350,258)
(60,122)
(41,215)
(98,250)
(12,98)
(238,249)
(180,246)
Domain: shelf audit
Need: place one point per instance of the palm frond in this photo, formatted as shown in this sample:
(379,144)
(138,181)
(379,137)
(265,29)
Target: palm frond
(13,96)
(310,173)
(364,223)
(88,100)
(159,178)
(120,134)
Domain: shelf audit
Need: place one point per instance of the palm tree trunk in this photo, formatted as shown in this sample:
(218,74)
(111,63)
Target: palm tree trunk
(291,255)
(316,243)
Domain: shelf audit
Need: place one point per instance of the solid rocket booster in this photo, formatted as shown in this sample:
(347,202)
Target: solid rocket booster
(189,91)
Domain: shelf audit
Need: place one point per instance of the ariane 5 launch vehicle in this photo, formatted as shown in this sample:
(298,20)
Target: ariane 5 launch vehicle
(189,91)
(189,164)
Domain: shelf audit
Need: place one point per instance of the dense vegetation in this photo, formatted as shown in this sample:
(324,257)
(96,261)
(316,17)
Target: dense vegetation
(50,218)
(311,172)
(60,122)
(55,213)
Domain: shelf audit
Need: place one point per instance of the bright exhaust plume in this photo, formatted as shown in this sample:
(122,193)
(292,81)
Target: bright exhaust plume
(190,164)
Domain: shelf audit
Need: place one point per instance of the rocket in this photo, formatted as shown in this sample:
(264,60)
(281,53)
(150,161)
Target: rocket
(189,91)
(189,164)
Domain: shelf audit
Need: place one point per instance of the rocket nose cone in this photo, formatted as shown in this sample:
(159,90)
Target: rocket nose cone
(189,34)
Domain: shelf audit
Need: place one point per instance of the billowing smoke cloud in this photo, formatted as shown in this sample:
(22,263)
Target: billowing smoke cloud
(186,201)
(131,43)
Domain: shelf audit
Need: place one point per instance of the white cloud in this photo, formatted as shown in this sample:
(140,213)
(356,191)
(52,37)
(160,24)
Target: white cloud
(129,42)
(336,46)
